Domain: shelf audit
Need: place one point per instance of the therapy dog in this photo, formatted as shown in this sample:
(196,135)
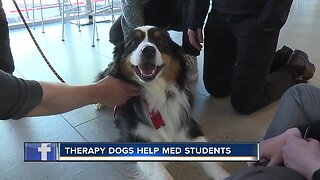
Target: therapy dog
(162,112)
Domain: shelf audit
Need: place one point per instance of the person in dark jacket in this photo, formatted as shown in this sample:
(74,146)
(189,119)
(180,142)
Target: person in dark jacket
(6,59)
(240,41)
(165,14)
(291,149)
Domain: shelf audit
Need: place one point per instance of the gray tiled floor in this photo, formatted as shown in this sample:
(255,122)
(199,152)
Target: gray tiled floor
(78,63)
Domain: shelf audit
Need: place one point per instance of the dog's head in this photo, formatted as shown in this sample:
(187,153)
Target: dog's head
(149,54)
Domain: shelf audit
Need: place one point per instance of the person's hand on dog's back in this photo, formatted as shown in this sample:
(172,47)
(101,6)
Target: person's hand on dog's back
(116,92)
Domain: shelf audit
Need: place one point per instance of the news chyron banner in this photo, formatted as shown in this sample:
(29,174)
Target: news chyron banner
(35,152)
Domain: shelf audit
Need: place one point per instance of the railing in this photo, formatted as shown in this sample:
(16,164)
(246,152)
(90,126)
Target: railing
(51,11)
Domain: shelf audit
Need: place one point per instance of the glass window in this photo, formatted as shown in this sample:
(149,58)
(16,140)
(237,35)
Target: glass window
(50,8)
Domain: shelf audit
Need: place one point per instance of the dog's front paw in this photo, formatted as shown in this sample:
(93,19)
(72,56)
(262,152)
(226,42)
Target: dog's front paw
(218,174)
(222,174)
(99,106)
(158,176)
(214,170)
(165,176)
(154,171)
(168,177)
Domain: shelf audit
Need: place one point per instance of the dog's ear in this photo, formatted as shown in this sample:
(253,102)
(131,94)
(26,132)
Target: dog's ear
(177,49)
(179,54)
(118,50)
(114,67)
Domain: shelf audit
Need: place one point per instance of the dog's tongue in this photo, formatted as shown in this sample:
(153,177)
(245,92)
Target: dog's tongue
(147,68)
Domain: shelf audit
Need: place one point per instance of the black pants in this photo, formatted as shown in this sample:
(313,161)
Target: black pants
(165,14)
(6,59)
(238,53)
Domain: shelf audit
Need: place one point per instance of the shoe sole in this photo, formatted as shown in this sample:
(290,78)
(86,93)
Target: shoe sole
(306,75)
(309,75)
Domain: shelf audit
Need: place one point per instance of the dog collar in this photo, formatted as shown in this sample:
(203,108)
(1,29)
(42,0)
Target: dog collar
(155,117)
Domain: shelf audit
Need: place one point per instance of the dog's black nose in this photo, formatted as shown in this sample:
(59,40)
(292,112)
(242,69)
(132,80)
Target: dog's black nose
(149,51)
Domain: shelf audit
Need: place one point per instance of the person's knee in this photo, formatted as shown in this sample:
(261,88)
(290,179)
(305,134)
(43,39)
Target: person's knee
(301,93)
(299,88)
(218,93)
(242,104)
(248,103)
(217,90)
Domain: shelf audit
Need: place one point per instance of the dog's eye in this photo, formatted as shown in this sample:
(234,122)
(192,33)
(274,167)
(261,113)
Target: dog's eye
(161,42)
(130,43)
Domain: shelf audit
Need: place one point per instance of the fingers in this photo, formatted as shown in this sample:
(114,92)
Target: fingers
(311,140)
(132,90)
(115,91)
(128,97)
(194,42)
(261,162)
(200,36)
(127,88)
(252,164)
(275,161)
(193,38)
(132,93)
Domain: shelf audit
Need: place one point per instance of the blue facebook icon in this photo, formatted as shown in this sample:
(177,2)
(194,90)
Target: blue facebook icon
(40,152)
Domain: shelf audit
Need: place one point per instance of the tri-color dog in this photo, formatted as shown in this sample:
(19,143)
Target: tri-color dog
(161,113)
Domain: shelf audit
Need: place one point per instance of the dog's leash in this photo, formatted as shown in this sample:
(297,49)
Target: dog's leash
(37,45)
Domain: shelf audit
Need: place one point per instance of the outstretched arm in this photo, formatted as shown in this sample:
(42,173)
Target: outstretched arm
(20,98)
(58,98)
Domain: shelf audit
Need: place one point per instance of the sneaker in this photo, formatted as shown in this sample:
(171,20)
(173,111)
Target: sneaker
(192,67)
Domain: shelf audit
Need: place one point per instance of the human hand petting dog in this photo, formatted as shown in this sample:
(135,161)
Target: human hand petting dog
(196,38)
(115,92)
(271,150)
(59,98)
(302,156)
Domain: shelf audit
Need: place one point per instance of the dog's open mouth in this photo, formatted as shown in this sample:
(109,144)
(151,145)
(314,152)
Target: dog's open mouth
(147,71)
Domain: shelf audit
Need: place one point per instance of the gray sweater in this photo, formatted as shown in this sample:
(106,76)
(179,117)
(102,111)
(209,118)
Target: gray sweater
(132,15)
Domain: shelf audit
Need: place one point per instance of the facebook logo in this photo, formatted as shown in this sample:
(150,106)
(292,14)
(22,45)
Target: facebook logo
(40,152)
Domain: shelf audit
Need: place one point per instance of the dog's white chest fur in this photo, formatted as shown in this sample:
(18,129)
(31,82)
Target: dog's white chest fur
(171,109)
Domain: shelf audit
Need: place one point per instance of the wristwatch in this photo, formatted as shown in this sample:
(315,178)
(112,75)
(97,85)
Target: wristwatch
(316,175)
